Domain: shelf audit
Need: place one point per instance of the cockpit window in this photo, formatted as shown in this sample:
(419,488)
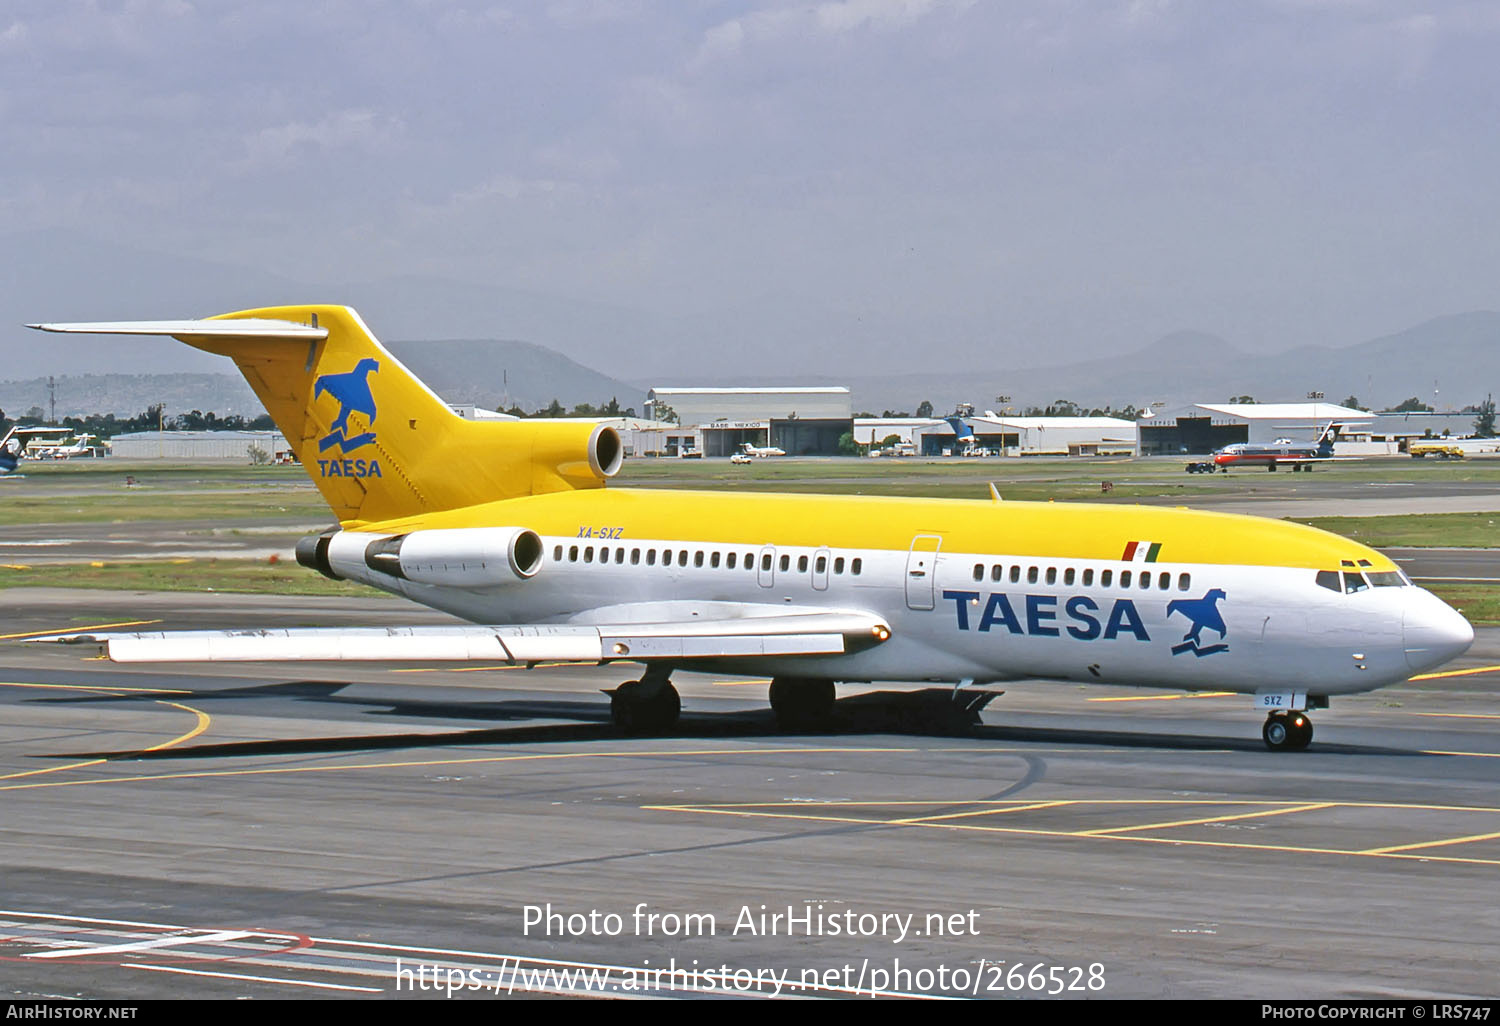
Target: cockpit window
(1354,582)
(1330,579)
(1386,579)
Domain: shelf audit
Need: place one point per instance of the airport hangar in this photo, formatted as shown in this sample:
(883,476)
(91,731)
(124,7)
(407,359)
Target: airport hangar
(719,421)
(1012,436)
(196,445)
(1205,427)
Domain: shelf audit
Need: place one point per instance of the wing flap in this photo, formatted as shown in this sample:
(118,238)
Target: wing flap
(815,633)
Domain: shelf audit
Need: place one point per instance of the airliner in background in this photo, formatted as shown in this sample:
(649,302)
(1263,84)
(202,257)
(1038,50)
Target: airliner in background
(1281,453)
(509,525)
(18,440)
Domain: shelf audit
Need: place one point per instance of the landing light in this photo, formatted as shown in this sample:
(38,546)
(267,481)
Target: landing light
(881,632)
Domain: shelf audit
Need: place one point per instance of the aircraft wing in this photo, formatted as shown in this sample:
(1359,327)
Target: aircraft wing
(802,633)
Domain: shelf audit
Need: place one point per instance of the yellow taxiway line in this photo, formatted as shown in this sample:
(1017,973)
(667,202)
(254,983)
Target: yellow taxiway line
(1473,671)
(203,723)
(77,630)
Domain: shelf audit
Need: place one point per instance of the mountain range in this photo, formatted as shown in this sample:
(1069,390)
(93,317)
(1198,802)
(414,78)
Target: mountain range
(591,352)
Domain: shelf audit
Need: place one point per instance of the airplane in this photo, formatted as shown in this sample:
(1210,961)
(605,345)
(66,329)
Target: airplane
(963,436)
(14,445)
(761,451)
(512,526)
(1300,456)
(84,445)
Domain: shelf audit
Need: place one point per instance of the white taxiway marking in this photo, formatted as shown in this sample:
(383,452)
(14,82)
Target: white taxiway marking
(160,942)
(255,979)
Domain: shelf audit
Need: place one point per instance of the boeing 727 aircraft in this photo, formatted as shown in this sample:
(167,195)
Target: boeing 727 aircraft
(510,526)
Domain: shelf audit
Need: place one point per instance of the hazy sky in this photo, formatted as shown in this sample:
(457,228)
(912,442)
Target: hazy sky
(857,182)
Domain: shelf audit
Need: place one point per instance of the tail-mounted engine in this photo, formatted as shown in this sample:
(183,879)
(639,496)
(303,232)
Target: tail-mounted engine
(477,557)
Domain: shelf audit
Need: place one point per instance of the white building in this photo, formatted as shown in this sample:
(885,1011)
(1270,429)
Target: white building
(1036,436)
(801,421)
(196,445)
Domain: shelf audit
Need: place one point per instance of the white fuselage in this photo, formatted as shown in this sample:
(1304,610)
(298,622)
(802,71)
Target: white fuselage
(985,617)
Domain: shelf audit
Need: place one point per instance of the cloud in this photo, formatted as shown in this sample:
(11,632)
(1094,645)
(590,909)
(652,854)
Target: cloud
(834,18)
(280,144)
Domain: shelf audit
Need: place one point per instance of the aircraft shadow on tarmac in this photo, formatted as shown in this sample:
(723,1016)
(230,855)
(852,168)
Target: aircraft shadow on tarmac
(925,713)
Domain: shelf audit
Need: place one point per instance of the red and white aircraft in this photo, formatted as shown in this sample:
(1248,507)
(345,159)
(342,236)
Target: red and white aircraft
(1299,455)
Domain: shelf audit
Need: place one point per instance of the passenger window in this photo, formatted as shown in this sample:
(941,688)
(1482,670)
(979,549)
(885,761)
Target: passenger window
(1015,575)
(729,561)
(1031,575)
(1164,581)
(765,561)
(1088,578)
(620,554)
(572,553)
(978,571)
(1184,582)
(997,572)
(856,566)
(786,563)
(1125,578)
(802,564)
(838,565)
(557,554)
(1068,577)
(1145,579)
(1052,575)
(682,557)
(698,558)
(822,565)
(635,557)
(1105,577)
(713,560)
(666,557)
(588,554)
(650,557)
(1353,582)
(1330,579)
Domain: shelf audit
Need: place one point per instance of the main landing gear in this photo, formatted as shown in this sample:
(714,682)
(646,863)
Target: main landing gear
(646,706)
(801,703)
(1287,731)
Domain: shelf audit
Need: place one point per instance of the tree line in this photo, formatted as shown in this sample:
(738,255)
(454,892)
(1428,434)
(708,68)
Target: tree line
(152,418)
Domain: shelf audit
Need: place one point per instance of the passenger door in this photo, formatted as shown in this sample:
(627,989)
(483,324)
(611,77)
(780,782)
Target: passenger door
(921,571)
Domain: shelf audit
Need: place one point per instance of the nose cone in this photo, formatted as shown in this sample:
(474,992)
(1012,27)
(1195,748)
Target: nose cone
(1432,631)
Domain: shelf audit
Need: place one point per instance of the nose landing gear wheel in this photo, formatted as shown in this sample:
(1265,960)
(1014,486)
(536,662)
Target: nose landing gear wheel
(1287,732)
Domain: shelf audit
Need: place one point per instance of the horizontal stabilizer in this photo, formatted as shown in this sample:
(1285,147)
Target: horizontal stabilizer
(242,328)
(796,634)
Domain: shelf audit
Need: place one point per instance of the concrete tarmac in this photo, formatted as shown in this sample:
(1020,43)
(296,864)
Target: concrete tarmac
(314,830)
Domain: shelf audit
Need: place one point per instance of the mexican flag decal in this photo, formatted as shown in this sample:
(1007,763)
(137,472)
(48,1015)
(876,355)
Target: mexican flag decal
(1141,552)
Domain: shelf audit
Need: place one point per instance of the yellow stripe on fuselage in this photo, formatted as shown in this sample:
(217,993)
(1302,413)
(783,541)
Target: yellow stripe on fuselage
(1040,529)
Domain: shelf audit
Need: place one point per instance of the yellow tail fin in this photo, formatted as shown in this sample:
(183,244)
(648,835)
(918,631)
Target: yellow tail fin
(378,443)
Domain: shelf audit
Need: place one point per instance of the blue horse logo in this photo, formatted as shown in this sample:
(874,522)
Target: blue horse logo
(1203,613)
(352,390)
